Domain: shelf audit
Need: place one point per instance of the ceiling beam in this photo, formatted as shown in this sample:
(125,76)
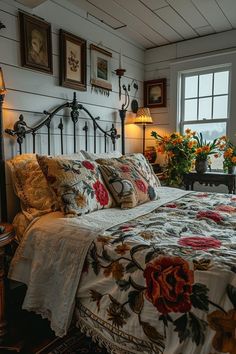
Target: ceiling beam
(31,3)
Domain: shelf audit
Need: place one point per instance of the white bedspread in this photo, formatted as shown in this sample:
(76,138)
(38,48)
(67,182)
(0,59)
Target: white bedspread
(51,255)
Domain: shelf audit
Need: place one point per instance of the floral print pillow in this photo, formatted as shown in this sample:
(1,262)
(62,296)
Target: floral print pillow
(140,162)
(128,186)
(77,184)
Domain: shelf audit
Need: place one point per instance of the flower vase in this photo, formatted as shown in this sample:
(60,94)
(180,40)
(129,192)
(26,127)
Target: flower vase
(201,166)
(232,170)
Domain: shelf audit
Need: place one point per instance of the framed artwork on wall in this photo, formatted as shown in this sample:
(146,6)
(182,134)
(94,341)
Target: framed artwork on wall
(72,61)
(155,93)
(35,43)
(100,68)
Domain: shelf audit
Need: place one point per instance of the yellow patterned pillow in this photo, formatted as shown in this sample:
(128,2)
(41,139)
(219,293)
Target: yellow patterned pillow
(77,184)
(30,186)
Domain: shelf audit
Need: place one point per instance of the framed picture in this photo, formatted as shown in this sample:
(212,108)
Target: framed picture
(155,93)
(100,68)
(35,43)
(72,61)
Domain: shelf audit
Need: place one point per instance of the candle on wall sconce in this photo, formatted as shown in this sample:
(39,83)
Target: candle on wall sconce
(120,72)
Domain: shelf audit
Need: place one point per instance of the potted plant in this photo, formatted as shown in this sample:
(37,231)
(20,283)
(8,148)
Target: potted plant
(203,150)
(180,152)
(229,150)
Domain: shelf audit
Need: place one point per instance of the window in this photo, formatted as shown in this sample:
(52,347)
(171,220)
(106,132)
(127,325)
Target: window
(204,103)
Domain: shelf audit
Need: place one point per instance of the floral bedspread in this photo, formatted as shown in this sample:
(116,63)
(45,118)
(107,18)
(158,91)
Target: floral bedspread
(165,282)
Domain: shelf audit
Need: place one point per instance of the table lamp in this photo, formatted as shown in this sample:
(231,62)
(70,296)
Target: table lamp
(143,117)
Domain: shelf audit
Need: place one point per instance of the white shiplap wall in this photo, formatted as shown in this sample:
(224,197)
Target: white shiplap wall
(167,61)
(30,92)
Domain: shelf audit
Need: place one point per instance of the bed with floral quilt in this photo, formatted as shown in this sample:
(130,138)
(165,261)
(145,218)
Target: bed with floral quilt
(163,282)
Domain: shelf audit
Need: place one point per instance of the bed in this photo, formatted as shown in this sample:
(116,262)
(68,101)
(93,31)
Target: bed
(156,278)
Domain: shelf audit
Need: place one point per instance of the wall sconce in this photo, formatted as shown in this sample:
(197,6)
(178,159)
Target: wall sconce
(2,163)
(120,72)
(143,118)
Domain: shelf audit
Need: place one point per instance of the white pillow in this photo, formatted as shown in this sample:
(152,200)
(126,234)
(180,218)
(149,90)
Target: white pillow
(105,155)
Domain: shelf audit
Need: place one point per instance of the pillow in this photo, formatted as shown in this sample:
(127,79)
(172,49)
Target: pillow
(31,186)
(105,155)
(127,185)
(77,184)
(144,167)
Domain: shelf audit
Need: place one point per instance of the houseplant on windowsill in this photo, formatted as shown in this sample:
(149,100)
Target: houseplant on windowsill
(229,149)
(180,152)
(203,150)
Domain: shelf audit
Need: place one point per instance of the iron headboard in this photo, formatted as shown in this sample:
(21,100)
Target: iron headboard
(21,130)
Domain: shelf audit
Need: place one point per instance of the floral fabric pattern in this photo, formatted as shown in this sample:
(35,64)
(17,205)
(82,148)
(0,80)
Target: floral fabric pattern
(127,182)
(166,282)
(77,184)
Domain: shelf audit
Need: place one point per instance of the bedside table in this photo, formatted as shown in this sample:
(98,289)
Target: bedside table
(6,237)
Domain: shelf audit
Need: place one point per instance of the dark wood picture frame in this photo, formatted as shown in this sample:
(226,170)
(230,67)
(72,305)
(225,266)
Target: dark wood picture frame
(73,65)
(155,93)
(35,43)
(101,75)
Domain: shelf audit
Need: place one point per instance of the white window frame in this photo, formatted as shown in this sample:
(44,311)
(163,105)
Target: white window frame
(181,100)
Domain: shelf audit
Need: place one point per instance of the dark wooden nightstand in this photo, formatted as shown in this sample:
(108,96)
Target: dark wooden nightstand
(6,237)
(210,178)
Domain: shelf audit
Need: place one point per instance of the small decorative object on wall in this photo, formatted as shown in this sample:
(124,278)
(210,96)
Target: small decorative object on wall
(100,69)
(155,93)
(72,61)
(36,43)
(2,25)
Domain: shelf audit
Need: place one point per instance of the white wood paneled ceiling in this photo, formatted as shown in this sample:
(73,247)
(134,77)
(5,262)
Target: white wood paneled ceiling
(153,23)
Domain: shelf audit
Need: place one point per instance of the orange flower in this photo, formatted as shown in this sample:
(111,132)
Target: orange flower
(233,159)
(224,324)
(198,151)
(206,148)
(223,137)
(191,144)
(228,153)
(122,249)
(170,154)
(166,138)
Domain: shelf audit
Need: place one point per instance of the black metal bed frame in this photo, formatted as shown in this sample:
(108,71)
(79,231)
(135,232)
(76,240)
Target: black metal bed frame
(21,130)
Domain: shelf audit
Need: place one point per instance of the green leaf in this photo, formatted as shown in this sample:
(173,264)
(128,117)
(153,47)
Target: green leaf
(199,297)
(138,248)
(136,301)
(96,267)
(152,334)
(106,256)
(197,329)
(152,254)
(135,285)
(124,285)
(181,326)
(131,267)
(231,292)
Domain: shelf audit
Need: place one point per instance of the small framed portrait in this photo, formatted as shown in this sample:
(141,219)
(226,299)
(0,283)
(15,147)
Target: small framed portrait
(100,68)
(36,43)
(155,93)
(72,61)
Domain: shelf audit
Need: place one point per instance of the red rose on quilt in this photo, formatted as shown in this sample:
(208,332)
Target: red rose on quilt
(172,205)
(141,185)
(88,165)
(101,193)
(226,208)
(169,284)
(217,217)
(125,168)
(199,243)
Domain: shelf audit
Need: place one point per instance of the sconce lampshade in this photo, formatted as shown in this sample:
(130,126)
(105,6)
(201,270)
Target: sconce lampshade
(143,116)
(2,83)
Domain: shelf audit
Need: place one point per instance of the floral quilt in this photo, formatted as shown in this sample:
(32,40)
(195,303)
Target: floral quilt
(165,282)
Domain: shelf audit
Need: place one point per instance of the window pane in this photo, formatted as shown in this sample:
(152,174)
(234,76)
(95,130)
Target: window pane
(221,83)
(205,85)
(190,111)
(191,86)
(220,107)
(205,108)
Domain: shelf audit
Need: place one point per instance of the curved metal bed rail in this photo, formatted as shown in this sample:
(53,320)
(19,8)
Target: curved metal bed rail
(21,129)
